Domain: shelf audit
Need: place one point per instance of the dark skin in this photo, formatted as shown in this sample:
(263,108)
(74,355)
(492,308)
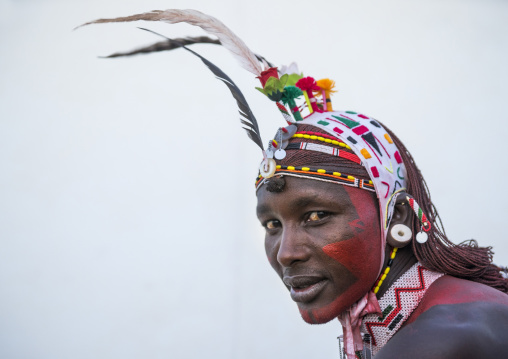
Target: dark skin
(323,240)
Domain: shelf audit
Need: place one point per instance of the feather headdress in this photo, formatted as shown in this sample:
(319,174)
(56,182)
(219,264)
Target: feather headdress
(208,23)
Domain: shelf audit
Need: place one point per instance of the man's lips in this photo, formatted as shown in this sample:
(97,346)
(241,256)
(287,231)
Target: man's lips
(303,288)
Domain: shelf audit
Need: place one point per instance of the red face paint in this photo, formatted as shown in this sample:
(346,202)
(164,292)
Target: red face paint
(360,254)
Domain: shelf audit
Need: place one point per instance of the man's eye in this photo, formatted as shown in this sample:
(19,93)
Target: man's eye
(272,224)
(317,216)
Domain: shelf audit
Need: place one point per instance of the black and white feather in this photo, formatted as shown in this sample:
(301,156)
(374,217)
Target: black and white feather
(246,116)
(168,45)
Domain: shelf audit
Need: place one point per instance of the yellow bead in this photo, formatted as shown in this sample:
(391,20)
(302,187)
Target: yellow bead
(336,174)
(348,147)
(305,169)
(335,142)
(313,137)
(321,171)
(393,255)
(291,168)
(306,136)
(376,290)
(387,270)
(321,138)
(351,178)
(383,277)
(370,182)
(275,142)
(327,140)
(278,167)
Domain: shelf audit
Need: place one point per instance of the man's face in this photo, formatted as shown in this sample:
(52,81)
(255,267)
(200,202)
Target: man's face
(324,242)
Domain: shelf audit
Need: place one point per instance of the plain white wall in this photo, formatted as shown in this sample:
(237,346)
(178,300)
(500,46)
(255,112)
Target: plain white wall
(127,222)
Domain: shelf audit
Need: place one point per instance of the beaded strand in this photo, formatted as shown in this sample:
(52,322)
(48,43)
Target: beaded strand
(382,277)
(321,138)
(331,175)
(426,226)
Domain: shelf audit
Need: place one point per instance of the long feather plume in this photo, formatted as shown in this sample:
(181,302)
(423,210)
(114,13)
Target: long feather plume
(176,44)
(246,116)
(167,45)
(208,23)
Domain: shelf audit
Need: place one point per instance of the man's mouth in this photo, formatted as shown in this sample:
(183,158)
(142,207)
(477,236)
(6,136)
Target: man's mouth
(304,289)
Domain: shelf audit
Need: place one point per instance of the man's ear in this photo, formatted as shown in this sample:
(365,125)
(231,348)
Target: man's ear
(399,232)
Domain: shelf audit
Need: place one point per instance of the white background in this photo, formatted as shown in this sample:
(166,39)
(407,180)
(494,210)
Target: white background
(127,206)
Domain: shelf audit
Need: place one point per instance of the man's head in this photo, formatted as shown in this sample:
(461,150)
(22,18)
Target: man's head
(324,212)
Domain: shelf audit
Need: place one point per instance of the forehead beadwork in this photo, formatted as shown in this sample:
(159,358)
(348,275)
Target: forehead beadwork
(321,175)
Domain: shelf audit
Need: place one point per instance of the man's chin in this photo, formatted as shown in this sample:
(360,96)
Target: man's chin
(315,313)
(321,315)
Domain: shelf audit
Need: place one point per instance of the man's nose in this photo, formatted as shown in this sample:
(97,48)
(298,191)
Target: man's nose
(293,247)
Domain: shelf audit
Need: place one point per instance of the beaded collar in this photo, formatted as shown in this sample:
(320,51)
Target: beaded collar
(397,304)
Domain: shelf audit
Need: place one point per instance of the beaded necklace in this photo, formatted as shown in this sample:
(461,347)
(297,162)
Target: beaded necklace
(397,304)
(383,275)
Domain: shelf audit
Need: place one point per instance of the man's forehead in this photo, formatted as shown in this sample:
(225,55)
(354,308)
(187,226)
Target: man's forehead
(301,192)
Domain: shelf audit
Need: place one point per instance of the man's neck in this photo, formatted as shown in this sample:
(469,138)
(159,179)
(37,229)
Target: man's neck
(403,260)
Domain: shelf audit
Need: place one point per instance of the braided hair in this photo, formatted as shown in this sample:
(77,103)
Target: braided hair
(465,260)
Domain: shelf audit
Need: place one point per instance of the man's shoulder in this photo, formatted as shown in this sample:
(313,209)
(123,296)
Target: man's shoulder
(455,319)
(464,330)
(451,290)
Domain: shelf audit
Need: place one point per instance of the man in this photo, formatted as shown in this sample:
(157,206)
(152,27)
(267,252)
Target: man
(350,227)
(324,240)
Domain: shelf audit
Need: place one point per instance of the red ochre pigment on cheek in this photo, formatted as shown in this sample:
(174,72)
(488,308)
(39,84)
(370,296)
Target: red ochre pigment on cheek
(360,254)
(353,253)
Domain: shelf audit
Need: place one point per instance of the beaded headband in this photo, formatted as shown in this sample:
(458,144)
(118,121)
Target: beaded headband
(370,142)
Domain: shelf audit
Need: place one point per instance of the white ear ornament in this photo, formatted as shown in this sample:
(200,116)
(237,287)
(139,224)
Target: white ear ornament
(421,237)
(401,233)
